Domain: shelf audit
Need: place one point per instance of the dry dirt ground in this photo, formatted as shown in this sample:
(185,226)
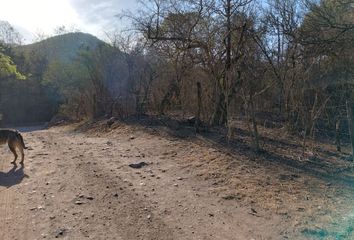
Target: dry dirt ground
(79,185)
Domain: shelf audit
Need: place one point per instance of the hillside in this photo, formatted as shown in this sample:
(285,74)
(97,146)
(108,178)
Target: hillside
(63,47)
(34,101)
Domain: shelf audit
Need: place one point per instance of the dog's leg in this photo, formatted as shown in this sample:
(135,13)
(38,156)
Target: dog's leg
(13,150)
(22,155)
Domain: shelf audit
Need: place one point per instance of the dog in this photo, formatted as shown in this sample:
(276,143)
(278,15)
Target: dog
(15,141)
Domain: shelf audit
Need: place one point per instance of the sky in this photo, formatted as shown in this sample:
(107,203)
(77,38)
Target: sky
(31,17)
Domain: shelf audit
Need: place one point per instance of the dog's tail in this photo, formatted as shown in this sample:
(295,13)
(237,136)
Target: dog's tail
(21,139)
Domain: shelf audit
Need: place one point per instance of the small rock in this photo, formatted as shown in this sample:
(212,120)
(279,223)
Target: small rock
(301,209)
(60,233)
(111,120)
(138,165)
(115,195)
(79,202)
(253,210)
(149,217)
(176,185)
(231,197)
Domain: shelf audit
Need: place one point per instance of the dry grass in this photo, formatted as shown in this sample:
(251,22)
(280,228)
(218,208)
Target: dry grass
(309,188)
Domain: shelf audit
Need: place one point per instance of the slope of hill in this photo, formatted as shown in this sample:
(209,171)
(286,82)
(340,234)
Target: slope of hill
(63,47)
(35,102)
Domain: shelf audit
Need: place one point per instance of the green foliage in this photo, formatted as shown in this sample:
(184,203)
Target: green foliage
(54,77)
(8,68)
(68,85)
(85,82)
(63,48)
(68,79)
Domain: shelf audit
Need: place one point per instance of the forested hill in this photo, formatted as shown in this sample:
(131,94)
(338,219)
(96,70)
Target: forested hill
(57,70)
(64,47)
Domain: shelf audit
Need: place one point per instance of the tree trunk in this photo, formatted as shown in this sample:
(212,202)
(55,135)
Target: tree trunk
(338,143)
(166,101)
(220,115)
(199,109)
(254,125)
(94,100)
(351,127)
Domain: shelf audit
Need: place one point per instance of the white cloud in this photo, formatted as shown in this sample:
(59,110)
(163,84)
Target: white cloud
(45,15)
(38,14)
(101,14)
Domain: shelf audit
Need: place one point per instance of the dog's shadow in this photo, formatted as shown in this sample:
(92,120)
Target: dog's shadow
(12,177)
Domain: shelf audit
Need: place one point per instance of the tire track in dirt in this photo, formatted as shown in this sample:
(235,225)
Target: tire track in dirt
(119,208)
(13,220)
(6,198)
(67,200)
(185,204)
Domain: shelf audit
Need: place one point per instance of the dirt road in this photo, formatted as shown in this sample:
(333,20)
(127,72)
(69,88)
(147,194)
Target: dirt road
(78,187)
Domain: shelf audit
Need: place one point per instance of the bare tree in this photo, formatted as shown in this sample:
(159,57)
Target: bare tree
(9,35)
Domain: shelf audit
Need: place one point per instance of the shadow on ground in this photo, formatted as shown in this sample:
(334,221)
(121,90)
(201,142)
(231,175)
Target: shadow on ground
(12,177)
(28,128)
(317,167)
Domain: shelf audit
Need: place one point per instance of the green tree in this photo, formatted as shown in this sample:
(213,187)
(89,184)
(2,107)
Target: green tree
(8,69)
(68,84)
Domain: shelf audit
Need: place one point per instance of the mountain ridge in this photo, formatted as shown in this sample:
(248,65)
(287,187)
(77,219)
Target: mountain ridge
(63,48)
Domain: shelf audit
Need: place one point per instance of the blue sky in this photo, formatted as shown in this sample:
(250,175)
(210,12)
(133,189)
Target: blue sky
(31,17)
